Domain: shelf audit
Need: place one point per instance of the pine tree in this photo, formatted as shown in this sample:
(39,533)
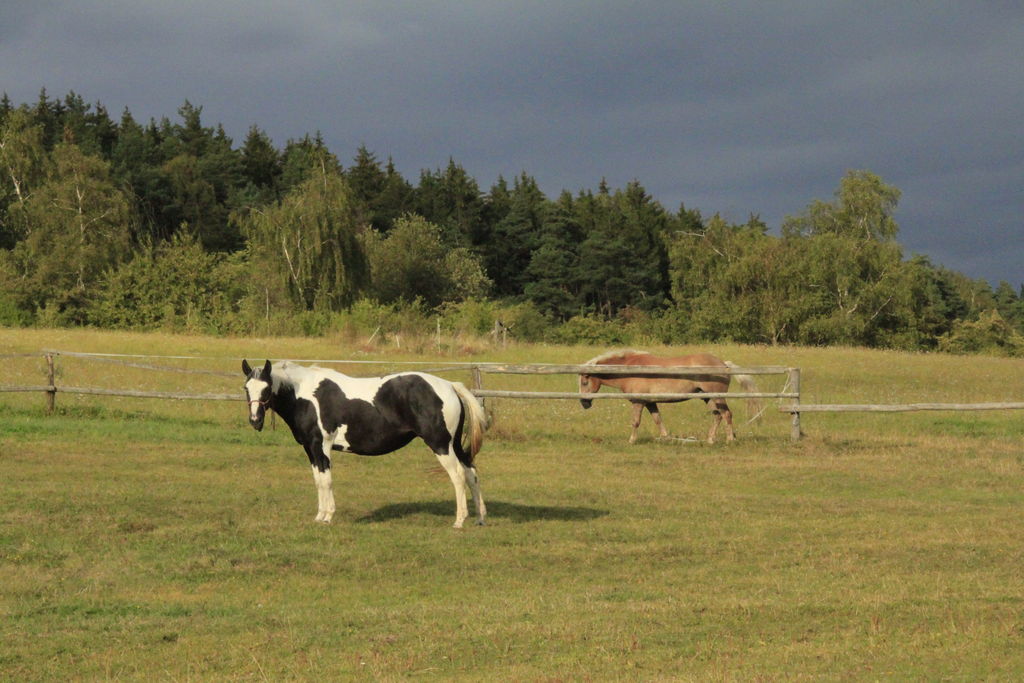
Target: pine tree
(382,193)
(622,258)
(514,238)
(1009,305)
(305,156)
(551,282)
(262,166)
(451,199)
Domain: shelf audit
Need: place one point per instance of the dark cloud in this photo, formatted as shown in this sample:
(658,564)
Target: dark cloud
(734,107)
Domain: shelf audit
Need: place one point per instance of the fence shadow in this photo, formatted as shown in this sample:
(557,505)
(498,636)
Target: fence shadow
(514,512)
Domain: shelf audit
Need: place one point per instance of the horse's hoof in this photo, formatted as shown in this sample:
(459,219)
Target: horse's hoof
(481,522)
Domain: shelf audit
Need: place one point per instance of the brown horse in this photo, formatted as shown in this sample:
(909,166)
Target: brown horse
(662,384)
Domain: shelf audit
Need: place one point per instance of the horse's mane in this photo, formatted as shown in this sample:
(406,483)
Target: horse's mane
(289,372)
(604,358)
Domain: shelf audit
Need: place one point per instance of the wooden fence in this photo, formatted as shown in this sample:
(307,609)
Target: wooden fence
(51,388)
(478,370)
(791,390)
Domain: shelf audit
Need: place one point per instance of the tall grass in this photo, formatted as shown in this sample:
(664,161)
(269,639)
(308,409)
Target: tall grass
(144,539)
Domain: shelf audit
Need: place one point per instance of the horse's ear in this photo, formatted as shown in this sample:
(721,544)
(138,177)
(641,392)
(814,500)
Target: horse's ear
(266,370)
(246,369)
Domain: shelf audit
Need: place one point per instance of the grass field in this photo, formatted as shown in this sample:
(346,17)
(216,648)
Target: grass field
(166,540)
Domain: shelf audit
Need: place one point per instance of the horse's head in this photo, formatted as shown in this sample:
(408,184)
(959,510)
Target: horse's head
(258,392)
(588,385)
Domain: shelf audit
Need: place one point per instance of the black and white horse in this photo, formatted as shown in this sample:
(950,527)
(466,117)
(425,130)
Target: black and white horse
(327,411)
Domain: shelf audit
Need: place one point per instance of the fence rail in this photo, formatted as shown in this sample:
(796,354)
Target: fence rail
(132,393)
(657,398)
(895,407)
(660,370)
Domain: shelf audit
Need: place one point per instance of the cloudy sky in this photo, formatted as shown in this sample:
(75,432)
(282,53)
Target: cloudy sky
(728,107)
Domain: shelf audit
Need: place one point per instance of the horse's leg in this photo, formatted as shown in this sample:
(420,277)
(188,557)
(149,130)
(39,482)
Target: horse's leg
(730,433)
(474,490)
(312,450)
(326,480)
(652,408)
(327,486)
(714,424)
(320,461)
(638,411)
(321,499)
(324,494)
(457,473)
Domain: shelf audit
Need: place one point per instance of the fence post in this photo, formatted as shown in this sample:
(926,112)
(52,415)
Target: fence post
(51,393)
(794,387)
(478,383)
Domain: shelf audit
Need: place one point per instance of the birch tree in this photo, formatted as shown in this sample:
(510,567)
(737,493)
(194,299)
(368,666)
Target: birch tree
(78,225)
(305,250)
(22,169)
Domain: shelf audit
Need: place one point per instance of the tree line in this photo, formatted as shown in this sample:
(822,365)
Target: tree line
(169,224)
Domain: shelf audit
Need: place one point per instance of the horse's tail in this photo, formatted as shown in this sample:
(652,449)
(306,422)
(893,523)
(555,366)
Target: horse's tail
(477,419)
(754,405)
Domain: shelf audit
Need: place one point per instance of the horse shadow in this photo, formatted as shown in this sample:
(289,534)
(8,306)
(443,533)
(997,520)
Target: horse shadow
(514,512)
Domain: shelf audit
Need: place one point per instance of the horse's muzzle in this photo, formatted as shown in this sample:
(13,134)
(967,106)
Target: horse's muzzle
(586,403)
(257,423)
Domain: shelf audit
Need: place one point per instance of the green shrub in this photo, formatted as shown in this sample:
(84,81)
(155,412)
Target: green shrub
(989,334)
(477,317)
(11,315)
(592,330)
(527,322)
(470,317)
(368,318)
(670,326)
(176,286)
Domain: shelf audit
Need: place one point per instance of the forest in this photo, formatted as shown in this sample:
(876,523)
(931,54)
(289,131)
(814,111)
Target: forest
(170,225)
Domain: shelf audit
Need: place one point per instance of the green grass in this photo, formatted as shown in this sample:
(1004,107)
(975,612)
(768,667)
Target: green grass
(164,540)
